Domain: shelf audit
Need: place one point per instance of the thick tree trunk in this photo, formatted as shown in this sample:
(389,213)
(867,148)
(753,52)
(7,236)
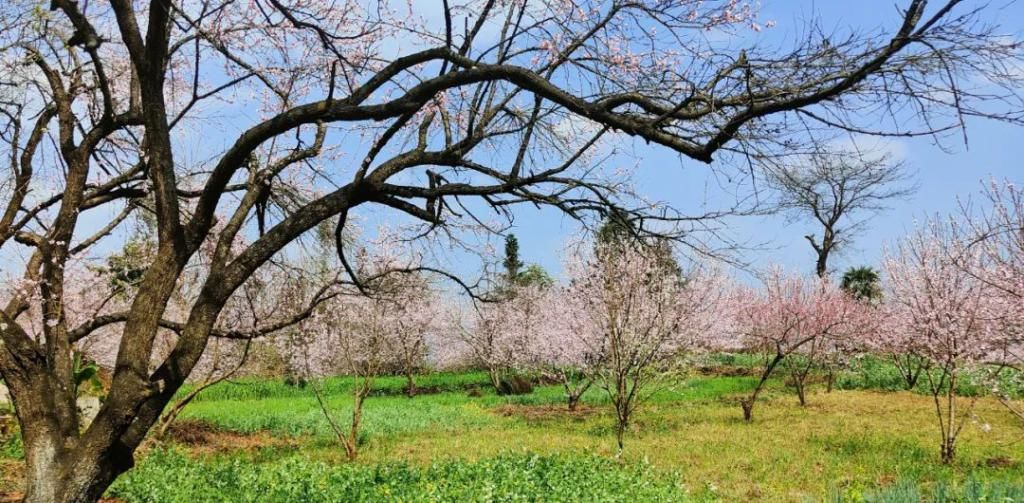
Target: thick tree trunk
(65,469)
(65,465)
(60,467)
(76,479)
(44,472)
(79,468)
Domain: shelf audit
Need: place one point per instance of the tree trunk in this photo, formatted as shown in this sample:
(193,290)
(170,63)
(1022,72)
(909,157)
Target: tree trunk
(948,450)
(748,403)
(410,387)
(801,392)
(823,250)
(495,378)
(748,409)
(352,441)
(574,394)
(64,465)
(821,266)
(61,466)
(910,369)
(620,433)
(800,376)
(78,478)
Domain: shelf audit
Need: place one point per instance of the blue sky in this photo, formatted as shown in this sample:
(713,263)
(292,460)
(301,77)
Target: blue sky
(943,176)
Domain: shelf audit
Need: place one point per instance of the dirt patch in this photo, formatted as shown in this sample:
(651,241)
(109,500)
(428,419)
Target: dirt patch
(204,437)
(545,412)
(1000,462)
(426,390)
(725,371)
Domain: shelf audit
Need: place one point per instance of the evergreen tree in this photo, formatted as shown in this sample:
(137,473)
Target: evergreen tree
(512,263)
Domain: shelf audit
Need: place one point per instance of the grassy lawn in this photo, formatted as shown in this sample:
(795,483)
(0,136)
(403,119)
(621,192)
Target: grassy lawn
(689,443)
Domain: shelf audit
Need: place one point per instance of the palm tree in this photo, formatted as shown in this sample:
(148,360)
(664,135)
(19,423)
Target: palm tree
(862,283)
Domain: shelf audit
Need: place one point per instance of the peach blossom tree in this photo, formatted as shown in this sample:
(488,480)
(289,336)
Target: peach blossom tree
(791,317)
(638,320)
(945,316)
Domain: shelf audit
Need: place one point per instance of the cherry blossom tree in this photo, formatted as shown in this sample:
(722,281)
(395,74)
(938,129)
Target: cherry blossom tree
(377,327)
(348,336)
(791,315)
(640,318)
(946,317)
(417,314)
(273,118)
(540,333)
(566,348)
(996,233)
(889,340)
(490,334)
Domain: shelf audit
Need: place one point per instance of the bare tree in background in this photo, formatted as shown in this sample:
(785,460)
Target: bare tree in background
(838,190)
(269,119)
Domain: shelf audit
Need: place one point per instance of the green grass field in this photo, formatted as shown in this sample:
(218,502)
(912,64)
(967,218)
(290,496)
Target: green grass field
(261,440)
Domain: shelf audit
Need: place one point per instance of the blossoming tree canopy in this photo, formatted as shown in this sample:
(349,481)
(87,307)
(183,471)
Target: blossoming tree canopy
(248,127)
(945,314)
(793,314)
(637,316)
(995,230)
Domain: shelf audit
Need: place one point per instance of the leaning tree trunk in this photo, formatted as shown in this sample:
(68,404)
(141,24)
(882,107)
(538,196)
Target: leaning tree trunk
(748,403)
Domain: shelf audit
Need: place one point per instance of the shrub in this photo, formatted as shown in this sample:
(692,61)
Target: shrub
(515,385)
